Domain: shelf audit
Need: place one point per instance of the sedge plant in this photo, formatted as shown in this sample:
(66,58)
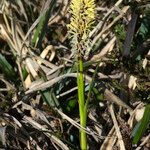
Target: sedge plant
(81,22)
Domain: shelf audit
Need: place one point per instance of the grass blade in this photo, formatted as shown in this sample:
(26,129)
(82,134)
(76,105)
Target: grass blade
(143,125)
(6,68)
(42,26)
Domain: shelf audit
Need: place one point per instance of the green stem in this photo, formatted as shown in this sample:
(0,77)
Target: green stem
(82,111)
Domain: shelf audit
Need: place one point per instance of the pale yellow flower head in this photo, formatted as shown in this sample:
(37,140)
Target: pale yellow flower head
(82,19)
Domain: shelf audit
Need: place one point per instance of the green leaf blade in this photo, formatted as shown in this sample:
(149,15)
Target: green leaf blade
(143,126)
(7,69)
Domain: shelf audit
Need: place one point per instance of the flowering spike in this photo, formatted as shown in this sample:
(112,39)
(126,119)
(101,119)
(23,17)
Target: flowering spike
(81,22)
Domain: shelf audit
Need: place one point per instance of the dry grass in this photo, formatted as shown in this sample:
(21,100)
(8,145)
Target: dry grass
(38,74)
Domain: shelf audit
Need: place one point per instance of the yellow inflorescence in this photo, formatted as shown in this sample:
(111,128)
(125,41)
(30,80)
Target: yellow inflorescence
(82,19)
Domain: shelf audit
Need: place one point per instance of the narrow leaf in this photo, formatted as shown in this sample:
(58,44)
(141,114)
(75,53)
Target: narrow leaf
(6,68)
(42,26)
(143,126)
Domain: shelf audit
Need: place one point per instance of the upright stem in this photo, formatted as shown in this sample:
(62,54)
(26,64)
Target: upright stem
(82,111)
